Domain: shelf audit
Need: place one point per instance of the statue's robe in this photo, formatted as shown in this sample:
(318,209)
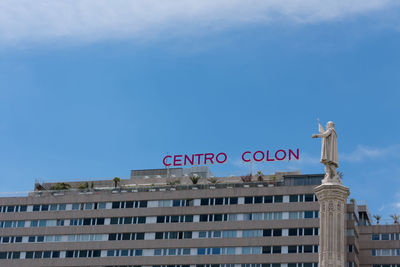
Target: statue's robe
(329,154)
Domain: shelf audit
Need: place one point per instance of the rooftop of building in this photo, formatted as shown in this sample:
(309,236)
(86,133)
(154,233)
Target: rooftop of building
(176,179)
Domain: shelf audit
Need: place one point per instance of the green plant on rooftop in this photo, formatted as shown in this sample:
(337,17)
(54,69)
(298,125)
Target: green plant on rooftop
(61,186)
(194,178)
(377,218)
(246,178)
(83,186)
(395,218)
(174,182)
(116,181)
(213,180)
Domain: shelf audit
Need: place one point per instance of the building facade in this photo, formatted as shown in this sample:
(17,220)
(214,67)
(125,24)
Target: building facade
(161,218)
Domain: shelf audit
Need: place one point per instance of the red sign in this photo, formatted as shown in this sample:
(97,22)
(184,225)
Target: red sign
(247,156)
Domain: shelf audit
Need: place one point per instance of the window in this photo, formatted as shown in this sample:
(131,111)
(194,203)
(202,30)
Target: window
(278,199)
(276,249)
(308,214)
(268,199)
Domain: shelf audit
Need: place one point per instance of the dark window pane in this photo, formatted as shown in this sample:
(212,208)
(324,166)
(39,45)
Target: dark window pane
(219,201)
(112,236)
(129,204)
(141,219)
(114,220)
(96,253)
(31,239)
(308,231)
(47,254)
(266,250)
(293,198)
(18,239)
(56,254)
(38,254)
(278,199)
(258,199)
(143,204)
(309,198)
(83,253)
(86,221)
(40,239)
(267,232)
(69,254)
(188,218)
(126,236)
(128,220)
(233,200)
(36,207)
(268,199)
(187,234)
(159,235)
(174,219)
(248,200)
(217,217)
(160,219)
(293,232)
(292,249)
(100,221)
(384,236)
(10,208)
(277,232)
(375,237)
(28,255)
(276,249)
(203,217)
(308,214)
(140,236)
(308,249)
(16,255)
(45,207)
(115,205)
(204,201)
(176,202)
(22,208)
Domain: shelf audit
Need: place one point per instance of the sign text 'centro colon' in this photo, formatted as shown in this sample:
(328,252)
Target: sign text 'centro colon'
(247,156)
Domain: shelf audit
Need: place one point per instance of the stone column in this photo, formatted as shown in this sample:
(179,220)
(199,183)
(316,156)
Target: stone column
(332,243)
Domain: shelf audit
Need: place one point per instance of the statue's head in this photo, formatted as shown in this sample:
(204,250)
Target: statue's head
(330,125)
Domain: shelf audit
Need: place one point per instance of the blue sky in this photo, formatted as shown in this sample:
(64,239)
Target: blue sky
(92,90)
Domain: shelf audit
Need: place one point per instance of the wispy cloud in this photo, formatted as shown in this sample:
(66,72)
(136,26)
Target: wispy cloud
(366,153)
(41,20)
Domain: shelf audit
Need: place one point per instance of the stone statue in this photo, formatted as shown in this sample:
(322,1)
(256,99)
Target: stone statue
(329,154)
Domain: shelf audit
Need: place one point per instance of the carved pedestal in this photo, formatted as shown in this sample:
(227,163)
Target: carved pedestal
(332,243)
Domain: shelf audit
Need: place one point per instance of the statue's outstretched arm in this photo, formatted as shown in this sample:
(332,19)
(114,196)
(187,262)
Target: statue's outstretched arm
(326,133)
(320,128)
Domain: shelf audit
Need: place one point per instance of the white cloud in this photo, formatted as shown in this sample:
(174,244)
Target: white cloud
(364,153)
(41,20)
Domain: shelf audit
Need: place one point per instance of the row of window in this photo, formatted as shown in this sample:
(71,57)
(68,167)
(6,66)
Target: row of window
(129,204)
(165,219)
(393,236)
(386,252)
(162,235)
(159,203)
(175,218)
(126,236)
(386,265)
(157,252)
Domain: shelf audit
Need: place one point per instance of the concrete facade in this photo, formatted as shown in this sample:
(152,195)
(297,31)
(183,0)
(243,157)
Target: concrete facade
(268,223)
